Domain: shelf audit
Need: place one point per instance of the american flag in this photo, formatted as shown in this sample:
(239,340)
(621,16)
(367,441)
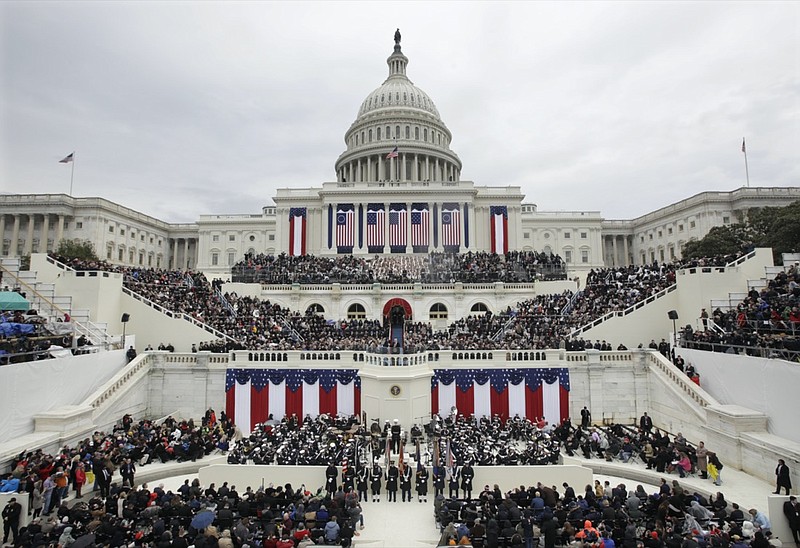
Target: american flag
(419,227)
(376,223)
(451,226)
(71,157)
(398,226)
(344,227)
(393,153)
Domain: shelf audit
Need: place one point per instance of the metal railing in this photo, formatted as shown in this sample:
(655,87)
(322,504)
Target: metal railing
(752,351)
(93,332)
(625,312)
(180,315)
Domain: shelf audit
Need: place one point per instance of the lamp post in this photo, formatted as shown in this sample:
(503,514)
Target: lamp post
(673,315)
(124,320)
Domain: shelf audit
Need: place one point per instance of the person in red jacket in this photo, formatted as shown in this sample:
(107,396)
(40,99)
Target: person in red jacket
(80,479)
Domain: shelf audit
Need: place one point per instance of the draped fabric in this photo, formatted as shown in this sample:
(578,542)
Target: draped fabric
(297,231)
(420,228)
(528,392)
(398,228)
(499,229)
(451,227)
(376,228)
(251,395)
(345,228)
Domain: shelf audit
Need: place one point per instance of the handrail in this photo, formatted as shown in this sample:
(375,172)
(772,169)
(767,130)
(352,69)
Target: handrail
(619,313)
(59,264)
(104,338)
(568,306)
(681,382)
(753,351)
(742,259)
(172,314)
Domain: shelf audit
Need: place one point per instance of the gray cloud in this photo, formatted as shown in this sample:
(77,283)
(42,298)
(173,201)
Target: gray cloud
(182,109)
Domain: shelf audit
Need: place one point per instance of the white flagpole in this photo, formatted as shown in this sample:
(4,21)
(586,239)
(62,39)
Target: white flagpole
(746,168)
(72,174)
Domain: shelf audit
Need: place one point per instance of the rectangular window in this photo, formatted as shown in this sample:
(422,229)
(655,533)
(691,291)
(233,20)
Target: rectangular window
(119,255)
(691,224)
(78,225)
(231,237)
(215,238)
(585,256)
(567,235)
(568,255)
(650,236)
(584,235)
(669,230)
(111,229)
(151,240)
(527,235)
(272,237)
(660,234)
(231,259)
(121,231)
(680,228)
(141,238)
(726,220)
(641,239)
(214,259)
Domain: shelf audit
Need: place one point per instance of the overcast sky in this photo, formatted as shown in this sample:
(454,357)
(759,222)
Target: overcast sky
(182,109)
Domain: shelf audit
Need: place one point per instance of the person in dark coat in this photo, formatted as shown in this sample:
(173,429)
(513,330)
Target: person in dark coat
(783,477)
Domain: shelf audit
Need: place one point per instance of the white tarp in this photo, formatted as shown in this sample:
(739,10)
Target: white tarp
(29,388)
(761,384)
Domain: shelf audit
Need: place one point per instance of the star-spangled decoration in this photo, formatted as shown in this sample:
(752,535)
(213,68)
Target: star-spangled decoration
(294,378)
(501,377)
(416,218)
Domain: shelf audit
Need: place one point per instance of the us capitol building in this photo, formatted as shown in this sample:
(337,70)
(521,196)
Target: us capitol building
(398,190)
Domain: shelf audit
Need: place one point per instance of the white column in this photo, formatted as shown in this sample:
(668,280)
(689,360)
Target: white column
(185,262)
(427,168)
(435,170)
(614,260)
(2,231)
(174,253)
(625,250)
(43,238)
(403,175)
(13,246)
(59,231)
(29,236)
(369,168)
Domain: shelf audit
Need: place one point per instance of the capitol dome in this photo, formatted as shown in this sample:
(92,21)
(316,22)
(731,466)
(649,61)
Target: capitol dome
(398,117)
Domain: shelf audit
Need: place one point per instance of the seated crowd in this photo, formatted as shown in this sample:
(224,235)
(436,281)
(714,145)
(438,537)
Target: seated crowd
(766,323)
(544,321)
(436,267)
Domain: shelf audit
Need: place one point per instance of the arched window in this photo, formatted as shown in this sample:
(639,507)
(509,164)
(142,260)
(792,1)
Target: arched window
(438,312)
(408,132)
(315,308)
(370,136)
(397,132)
(362,137)
(356,312)
(479,308)
(425,135)
(416,132)
(379,134)
(388,132)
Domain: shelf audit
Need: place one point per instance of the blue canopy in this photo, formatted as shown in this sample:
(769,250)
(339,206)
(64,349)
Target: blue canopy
(11,300)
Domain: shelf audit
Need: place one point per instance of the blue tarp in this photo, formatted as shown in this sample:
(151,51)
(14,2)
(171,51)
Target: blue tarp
(9,329)
(11,300)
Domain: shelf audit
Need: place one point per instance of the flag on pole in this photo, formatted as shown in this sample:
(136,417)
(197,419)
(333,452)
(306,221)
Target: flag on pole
(449,461)
(388,450)
(744,148)
(393,153)
(68,158)
(400,463)
(419,458)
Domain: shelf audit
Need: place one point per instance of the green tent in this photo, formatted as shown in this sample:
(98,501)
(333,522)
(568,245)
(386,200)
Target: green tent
(11,300)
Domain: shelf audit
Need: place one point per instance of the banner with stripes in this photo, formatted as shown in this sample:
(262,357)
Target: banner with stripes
(499,227)
(530,393)
(376,228)
(251,395)
(345,228)
(451,227)
(420,228)
(398,228)
(297,231)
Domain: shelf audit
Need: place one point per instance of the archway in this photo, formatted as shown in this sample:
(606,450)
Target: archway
(396,312)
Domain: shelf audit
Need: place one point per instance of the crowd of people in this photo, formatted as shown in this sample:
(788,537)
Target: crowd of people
(545,321)
(765,323)
(436,267)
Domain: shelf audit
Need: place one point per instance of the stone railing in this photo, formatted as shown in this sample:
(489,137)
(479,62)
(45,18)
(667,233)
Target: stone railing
(679,379)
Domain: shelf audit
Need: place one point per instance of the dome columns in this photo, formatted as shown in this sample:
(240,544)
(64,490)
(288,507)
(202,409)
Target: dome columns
(407,167)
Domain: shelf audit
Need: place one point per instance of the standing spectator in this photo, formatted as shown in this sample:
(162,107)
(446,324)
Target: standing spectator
(783,478)
(80,479)
(130,354)
(791,509)
(11,514)
(586,417)
(704,317)
(702,459)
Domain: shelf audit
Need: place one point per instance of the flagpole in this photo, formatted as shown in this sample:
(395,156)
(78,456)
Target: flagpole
(746,168)
(72,174)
